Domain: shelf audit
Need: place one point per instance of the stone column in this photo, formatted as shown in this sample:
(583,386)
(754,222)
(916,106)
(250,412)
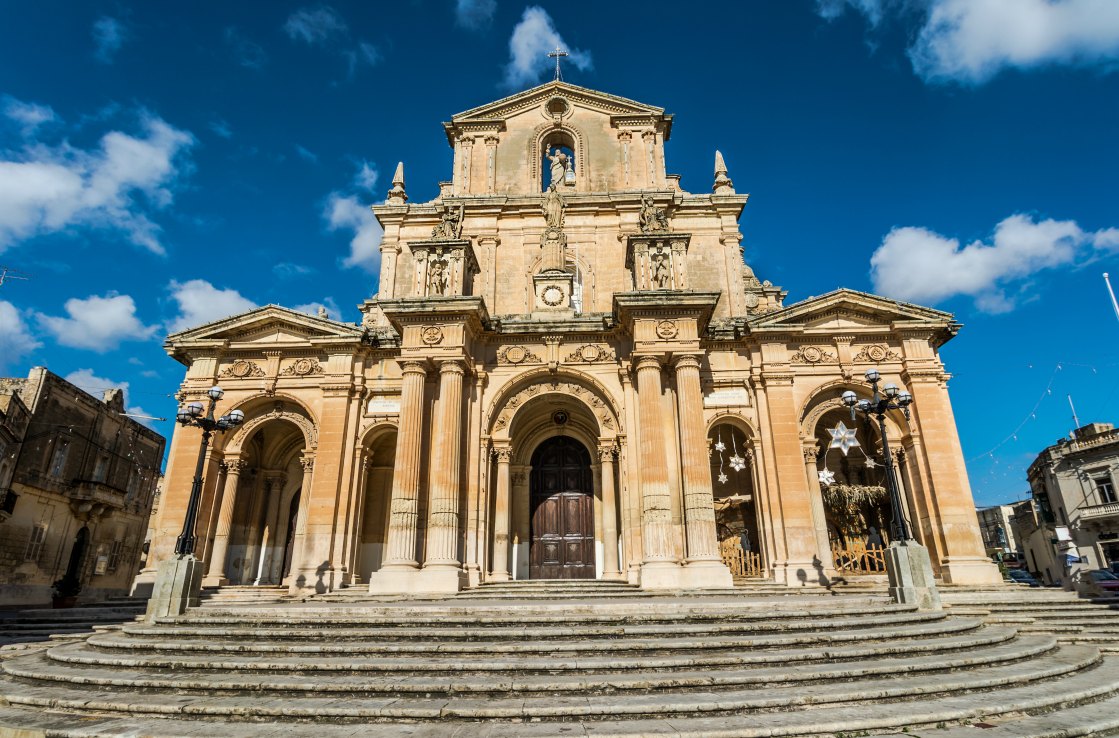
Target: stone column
(268,533)
(819,517)
(659,569)
(501,517)
(610,568)
(400,561)
(442,560)
(215,576)
(307,461)
(705,565)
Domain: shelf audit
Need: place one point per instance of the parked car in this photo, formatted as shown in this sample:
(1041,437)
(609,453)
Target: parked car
(1105,581)
(1019,576)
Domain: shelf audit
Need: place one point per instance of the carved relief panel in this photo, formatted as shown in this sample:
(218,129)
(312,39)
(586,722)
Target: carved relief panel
(443,268)
(658,261)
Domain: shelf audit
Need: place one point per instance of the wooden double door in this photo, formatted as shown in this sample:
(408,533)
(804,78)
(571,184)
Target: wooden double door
(562,511)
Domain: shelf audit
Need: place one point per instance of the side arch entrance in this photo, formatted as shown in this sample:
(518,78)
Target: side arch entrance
(562,544)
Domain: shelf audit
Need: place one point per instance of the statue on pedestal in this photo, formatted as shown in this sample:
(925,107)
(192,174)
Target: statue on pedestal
(559,168)
(450,224)
(651,219)
(553,241)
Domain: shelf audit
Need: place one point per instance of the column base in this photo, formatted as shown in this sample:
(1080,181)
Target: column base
(707,574)
(911,576)
(214,580)
(662,575)
(614,576)
(144,583)
(970,570)
(394,579)
(498,576)
(442,579)
(178,585)
(473,575)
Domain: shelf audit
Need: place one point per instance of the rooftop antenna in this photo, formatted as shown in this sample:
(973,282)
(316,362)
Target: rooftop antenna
(557,55)
(1075,419)
(9,273)
(1110,291)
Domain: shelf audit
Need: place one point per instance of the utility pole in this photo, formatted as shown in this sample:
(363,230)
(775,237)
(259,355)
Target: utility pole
(1110,291)
(9,273)
(1075,420)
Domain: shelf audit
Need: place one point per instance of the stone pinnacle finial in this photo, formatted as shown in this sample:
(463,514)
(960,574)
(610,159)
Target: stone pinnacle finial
(723,183)
(397,196)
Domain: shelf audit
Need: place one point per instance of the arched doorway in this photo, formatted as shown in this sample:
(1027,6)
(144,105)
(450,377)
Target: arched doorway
(562,544)
(736,505)
(372,535)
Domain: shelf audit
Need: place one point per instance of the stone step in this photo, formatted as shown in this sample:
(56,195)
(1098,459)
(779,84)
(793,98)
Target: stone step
(115,651)
(43,667)
(325,706)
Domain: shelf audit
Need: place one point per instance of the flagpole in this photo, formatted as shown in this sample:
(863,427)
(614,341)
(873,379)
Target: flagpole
(1111,292)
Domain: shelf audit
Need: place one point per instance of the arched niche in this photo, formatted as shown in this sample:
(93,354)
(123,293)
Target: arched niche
(569,139)
(261,410)
(540,382)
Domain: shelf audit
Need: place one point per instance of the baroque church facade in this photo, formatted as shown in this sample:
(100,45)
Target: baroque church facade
(569,371)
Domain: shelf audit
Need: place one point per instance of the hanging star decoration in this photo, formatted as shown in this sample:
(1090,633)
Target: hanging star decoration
(723,478)
(871,463)
(843,438)
(827,477)
(720,446)
(736,462)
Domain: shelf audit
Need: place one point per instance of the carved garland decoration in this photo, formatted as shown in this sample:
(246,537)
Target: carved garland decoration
(242,369)
(590,353)
(876,352)
(812,355)
(603,413)
(302,368)
(517,355)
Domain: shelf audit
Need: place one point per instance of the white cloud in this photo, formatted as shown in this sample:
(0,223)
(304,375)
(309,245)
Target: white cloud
(346,213)
(529,45)
(366,177)
(315,25)
(97,323)
(16,340)
(328,303)
(29,115)
(221,128)
(201,302)
(288,270)
(307,154)
(45,189)
(363,53)
(248,53)
(973,40)
(108,35)
(85,379)
(475,14)
(918,265)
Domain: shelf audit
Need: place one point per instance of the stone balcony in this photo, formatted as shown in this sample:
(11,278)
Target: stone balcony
(1107,513)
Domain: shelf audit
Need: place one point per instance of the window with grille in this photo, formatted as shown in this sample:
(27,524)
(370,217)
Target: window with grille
(58,459)
(1106,490)
(114,554)
(35,544)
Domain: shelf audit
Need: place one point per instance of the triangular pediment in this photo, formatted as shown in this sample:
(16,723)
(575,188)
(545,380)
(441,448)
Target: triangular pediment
(269,324)
(845,309)
(538,96)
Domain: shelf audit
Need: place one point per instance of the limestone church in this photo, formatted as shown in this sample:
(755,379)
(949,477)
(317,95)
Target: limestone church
(568,372)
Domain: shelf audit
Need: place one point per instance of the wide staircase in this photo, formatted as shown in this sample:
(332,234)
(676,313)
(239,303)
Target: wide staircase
(564,659)
(24,628)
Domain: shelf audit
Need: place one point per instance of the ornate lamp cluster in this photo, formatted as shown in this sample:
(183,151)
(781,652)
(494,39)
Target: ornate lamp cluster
(196,414)
(890,398)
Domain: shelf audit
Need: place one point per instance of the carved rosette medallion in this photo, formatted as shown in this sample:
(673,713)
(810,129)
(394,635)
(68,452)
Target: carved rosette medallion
(875,352)
(667,329)
(516,355)
(590,353)
(432,335)
(812,355)
(302,368)
(751,300)
(552,295)
(242,369)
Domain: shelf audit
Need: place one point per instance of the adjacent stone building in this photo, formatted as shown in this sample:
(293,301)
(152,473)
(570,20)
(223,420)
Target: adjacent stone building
(568,368)
(1074,484)
(996,524)
(76,484)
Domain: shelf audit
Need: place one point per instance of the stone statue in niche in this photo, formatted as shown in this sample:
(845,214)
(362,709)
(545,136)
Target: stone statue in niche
(560,165)
(450,224)
(437,277)
(661,277)
(553,207)
(651,219)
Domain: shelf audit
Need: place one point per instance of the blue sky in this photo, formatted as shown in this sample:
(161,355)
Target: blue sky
(166,164)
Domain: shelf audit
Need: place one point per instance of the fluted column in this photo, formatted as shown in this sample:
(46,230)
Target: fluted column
(307,461)
(404,504)
(659,568)
(699,499)
(819,515)
(501,520)
(216,573)
(446,457)
(610,568)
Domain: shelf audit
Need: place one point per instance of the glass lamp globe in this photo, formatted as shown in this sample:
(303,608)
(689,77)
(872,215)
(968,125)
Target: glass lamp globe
(236,417)
(215,393)
(891,390)
(872,375)
(848,398)
(194,409)
(904,398)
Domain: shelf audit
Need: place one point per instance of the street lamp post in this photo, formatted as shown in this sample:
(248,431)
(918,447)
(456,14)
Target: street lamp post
(178,581)
(907,562)
(191,414)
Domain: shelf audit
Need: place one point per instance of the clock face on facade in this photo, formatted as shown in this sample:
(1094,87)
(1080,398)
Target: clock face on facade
(552,296)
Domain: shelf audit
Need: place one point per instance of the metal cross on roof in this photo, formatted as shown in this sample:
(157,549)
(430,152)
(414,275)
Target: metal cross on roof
(557,55)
